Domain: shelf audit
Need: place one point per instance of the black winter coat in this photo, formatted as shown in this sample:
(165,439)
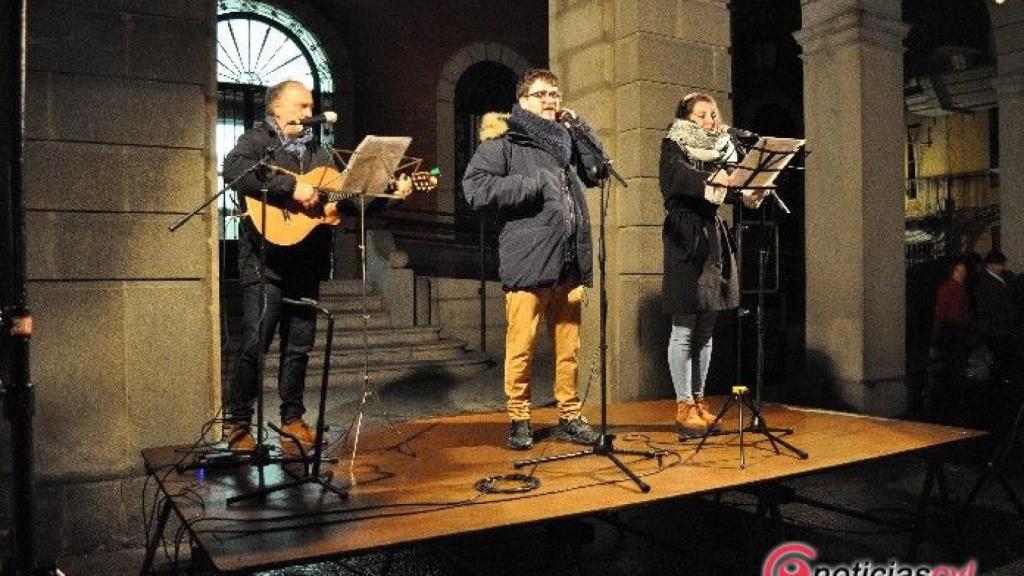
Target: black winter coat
(538,198)
(693,281)
(309,260)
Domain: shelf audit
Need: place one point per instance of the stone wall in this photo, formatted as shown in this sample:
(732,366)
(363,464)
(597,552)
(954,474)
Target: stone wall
(121,107)
(624,65)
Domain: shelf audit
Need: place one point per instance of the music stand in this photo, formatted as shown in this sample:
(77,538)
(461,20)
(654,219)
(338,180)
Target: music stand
(757,171)
(369,172)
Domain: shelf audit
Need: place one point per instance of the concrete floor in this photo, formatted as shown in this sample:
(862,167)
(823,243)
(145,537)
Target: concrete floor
(696,536)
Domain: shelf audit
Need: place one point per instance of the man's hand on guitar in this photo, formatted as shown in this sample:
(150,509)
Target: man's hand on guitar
(403,186)
(305,194)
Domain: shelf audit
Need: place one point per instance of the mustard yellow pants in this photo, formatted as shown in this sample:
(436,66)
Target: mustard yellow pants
(560,307)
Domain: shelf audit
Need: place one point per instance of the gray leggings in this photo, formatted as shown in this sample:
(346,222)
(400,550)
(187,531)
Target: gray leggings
(689,352)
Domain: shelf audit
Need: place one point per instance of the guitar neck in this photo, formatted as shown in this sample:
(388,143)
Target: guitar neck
(337,196)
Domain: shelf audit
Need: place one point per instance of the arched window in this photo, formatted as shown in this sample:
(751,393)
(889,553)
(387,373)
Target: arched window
(259,45)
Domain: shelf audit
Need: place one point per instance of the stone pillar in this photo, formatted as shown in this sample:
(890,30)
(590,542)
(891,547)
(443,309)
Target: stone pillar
(1008,32)
(624,65)
(853,110)
(121,111)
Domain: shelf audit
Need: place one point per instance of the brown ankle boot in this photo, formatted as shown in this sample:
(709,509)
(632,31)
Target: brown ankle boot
(689,424)
(704,410)
(240,438)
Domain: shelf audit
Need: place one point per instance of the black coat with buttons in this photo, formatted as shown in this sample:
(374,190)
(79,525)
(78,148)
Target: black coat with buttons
(691,232)
(538,198)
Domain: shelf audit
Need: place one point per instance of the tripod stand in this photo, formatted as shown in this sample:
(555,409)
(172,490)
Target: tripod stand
(604,446)
(758,171)
(369,170)
(995,467)
(741,398)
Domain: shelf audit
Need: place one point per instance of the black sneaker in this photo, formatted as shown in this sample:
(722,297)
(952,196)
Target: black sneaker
(520,437)
(576,430)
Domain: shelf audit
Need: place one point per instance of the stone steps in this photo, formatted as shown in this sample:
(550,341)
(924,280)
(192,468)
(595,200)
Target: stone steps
(393,353)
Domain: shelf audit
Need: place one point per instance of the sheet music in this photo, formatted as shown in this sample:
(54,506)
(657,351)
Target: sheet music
(762,165)
(373,163)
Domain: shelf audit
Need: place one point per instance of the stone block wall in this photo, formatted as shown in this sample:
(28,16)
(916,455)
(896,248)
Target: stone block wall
(121,105)
(624,65)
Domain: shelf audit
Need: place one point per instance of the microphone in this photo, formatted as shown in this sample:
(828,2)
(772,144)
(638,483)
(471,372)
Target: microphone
(566,117)
(325,118)
(741,133)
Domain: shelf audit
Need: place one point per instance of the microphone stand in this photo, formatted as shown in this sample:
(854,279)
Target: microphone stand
(260,455)
(604,446)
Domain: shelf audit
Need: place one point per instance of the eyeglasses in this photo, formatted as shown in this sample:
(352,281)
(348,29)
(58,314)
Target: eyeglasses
(541,94)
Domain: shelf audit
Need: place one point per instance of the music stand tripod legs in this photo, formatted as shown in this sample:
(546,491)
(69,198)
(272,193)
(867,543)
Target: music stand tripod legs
(311,475)
(741,398)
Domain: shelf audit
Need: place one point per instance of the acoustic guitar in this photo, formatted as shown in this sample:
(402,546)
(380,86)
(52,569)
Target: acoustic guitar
(289,224)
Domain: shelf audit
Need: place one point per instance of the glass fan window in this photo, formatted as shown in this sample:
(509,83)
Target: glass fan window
(251,51)
(261,44)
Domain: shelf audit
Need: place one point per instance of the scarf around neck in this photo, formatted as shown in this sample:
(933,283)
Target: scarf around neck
(701,145)
(549,136)
(295,146)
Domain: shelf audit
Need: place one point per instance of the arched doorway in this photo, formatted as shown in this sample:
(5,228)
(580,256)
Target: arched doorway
(484,87)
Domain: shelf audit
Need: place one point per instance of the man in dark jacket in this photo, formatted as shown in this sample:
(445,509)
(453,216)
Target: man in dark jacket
(291,271)
(533,172)
(997,313)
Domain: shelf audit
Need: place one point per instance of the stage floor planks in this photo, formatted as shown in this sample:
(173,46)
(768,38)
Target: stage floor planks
(416,482)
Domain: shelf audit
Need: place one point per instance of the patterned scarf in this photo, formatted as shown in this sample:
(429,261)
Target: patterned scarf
(295,146)
(700,145)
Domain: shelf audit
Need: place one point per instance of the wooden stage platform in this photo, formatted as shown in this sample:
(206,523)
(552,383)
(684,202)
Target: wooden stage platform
(416,482)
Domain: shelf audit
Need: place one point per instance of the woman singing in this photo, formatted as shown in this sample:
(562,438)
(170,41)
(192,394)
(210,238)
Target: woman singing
(700,276)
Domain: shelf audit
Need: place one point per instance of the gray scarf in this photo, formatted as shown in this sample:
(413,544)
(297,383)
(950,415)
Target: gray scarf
(700,145)
(550,136)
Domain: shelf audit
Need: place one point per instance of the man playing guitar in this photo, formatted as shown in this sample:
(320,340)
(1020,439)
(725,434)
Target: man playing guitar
(291,271)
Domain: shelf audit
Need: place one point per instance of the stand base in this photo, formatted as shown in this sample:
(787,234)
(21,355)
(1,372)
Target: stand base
(260,494)
(757,426)
(605,446)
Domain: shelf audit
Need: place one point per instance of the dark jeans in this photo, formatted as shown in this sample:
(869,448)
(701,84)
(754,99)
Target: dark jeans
(297,332)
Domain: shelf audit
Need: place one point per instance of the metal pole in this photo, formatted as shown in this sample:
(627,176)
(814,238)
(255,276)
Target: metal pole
(483,288)
(15,317)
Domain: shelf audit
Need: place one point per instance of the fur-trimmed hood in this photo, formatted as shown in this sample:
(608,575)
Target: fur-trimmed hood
(531,130)
(493,125)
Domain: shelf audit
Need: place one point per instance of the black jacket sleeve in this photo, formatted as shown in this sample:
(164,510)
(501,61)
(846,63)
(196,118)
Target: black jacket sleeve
(488,184)
(248,151)
(677,178)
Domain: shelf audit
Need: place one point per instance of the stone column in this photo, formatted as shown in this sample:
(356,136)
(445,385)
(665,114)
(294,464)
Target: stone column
(624,65)
(1008,32)
(853,110)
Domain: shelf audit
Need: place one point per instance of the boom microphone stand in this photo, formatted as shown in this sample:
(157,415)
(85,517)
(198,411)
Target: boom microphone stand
(604,446)
(260,455)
